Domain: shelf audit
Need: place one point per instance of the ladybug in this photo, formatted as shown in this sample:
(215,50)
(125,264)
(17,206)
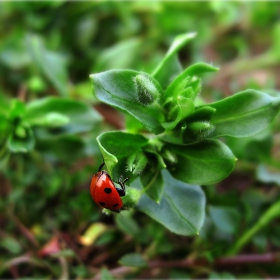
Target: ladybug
(104,192)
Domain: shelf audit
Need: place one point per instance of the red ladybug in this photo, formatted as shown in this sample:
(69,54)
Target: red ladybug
(104,192)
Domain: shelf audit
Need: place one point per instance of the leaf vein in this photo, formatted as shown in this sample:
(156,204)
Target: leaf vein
(179,213)
(240,116)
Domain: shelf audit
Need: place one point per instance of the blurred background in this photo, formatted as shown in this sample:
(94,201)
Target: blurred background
(49,226)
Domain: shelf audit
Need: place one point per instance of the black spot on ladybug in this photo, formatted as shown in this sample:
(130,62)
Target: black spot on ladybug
(107,190)
(102,203)
(115,205)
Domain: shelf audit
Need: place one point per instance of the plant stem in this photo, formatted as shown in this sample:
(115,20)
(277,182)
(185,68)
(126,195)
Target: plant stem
(157,106)
(23,229)
(272,213)
(240,260)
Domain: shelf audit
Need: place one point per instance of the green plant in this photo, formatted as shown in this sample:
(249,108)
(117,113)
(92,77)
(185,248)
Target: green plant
(50,119)
(169,127)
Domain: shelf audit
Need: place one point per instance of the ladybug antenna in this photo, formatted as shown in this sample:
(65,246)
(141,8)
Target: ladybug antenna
(100,167)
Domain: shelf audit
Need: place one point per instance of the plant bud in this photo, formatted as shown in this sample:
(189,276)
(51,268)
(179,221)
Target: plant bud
(131,198)
(168,156)
(54,119)
(199,130)
(20,132)
(136,163)
(188,93)
(147,93)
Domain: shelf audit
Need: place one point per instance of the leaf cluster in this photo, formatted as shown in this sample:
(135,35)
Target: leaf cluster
(171,127)
(50,119)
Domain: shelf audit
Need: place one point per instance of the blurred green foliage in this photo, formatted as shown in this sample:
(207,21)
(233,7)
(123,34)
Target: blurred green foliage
(47,51)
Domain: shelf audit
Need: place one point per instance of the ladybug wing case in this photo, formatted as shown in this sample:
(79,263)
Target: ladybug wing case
(104,193)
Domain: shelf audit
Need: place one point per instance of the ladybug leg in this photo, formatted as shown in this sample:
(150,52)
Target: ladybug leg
(100,167)
(121,183)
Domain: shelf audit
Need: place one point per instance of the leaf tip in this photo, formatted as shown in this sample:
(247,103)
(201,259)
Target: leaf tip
(276,103)
(91,76)
(192,34)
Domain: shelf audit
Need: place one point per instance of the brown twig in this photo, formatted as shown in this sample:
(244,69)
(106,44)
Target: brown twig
(245,259)
(24,230)
(22,93)
(240,260)
(26,258)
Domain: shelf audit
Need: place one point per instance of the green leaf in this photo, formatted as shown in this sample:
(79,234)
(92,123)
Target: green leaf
(114,58)
(54,111)
(182,109)
(117,88)
(172,68)
(66,148)
(256,148)
(5,128)
(117,145)
(201,114)
(11,244)
(67,253)
(223,275)
(226,219)
(152,182)
(15,57)
(4,155)
(133,259)
(272,213)
(92,233)
(21,144)
(181,209)
(205,162)
(36,84)
(52,119)
(5,105)
(260,240)
(132,125)
(179,42)
(268,174)
(106,275)
(52,64)
(179,83)
(244,114)
(17,109)
(127,224)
